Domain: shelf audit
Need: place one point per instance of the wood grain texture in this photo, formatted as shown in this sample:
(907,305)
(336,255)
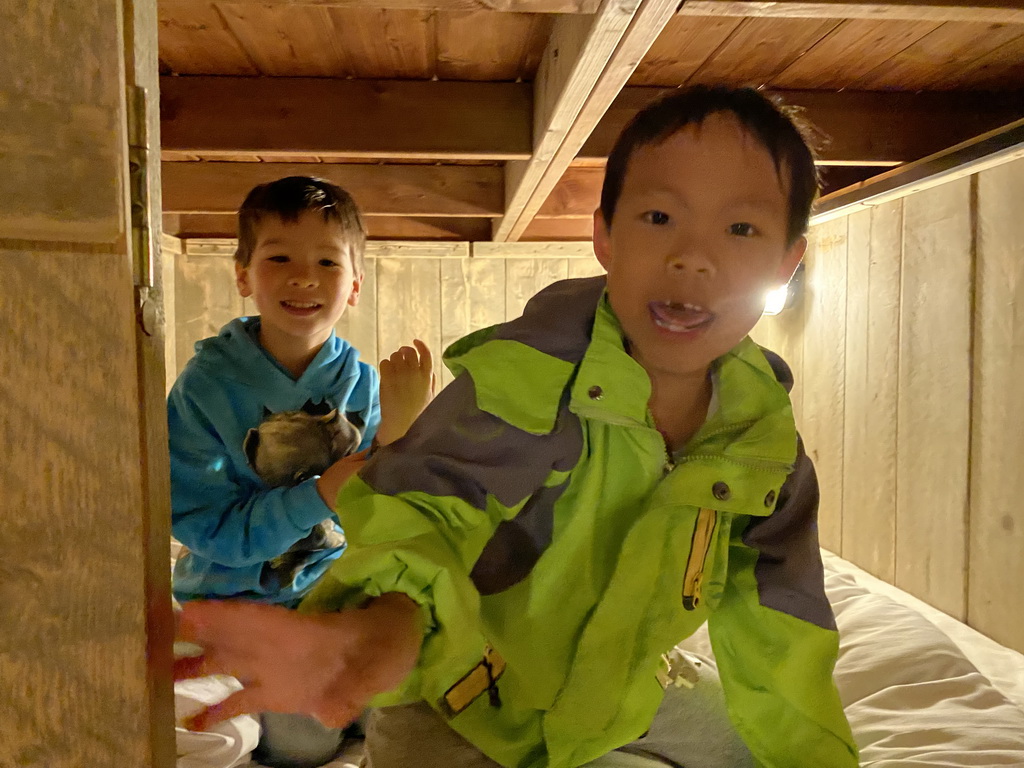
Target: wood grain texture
(850,51)
(483,45)
(395,190)
(986,11)
(997,483)
(409,305)
(759,49)
(681,49)
(358,326)
(947,49)
(934,396)
(824,371)
(205,299)
(65,101)
(872,373)
(328,117)
(73,649)
(195,40)
(525,277)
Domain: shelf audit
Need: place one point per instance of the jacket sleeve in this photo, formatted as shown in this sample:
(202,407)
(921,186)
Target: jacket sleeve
(775,639)
(437,515)
(218,510)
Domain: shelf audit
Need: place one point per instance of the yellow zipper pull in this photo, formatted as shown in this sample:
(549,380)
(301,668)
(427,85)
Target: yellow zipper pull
(700,545)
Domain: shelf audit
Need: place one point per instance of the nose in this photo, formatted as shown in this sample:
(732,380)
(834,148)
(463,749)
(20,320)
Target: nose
(302,277)
(690,254)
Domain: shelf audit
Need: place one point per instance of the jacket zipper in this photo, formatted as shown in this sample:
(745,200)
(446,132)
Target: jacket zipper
(700,545)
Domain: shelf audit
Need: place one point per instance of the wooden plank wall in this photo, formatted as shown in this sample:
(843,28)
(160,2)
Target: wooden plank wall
(437,292)
(909,352)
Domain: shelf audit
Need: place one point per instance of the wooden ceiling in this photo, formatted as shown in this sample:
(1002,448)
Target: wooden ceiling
(479,120)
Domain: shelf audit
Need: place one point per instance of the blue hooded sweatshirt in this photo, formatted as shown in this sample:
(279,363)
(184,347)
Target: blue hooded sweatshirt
(230,521)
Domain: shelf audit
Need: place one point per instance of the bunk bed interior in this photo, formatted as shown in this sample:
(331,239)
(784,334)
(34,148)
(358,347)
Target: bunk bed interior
(903,329)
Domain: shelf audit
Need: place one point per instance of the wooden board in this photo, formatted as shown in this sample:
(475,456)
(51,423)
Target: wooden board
(943,51)
(681,49)
(205,299)
(323,117)
(395,190)
(824,371)
(872,366)
(525,277)
(996,603)
(850,51)
(761,48)
(195,40)
(934,393)
(72,654)
(409,305)
(483,45)
(358,325)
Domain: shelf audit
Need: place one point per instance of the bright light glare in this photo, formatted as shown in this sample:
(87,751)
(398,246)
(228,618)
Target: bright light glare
(775,300)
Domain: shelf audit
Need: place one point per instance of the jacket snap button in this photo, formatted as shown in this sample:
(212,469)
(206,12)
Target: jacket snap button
(769,499)
(596,393)
(721,491)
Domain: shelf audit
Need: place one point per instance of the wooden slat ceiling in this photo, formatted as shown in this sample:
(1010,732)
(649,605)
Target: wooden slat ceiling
(968,60)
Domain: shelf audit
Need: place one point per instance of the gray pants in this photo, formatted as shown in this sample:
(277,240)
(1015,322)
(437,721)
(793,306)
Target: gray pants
(295,741)
(690,730)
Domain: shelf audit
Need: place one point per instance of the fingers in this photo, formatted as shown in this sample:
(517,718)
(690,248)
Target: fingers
(189,667)
(426,359)
(244,702)
(409,359)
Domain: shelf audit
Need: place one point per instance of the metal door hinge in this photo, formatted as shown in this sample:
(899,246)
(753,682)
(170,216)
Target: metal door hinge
(143,247)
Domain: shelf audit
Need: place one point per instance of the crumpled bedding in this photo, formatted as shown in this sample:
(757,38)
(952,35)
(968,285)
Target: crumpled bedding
(920,689)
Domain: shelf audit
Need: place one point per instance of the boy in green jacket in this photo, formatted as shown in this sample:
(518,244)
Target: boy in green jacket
(605,473)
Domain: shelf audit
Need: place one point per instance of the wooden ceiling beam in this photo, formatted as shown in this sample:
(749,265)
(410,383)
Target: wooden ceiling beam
(234,117)
(586,63)
(985,11)
(225,225)
(221,116)
(380,190)
(856,127)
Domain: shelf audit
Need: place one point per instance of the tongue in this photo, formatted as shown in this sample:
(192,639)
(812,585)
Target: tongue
(677,318)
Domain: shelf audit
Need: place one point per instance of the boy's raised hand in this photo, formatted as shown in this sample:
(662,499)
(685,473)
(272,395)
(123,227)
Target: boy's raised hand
(325,665)
(406,386)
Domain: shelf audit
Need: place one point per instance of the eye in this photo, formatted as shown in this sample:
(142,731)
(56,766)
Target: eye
(742,229)
(279,259)
(658,218)
(329,263)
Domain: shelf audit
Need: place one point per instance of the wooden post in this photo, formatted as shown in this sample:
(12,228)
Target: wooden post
(85,650)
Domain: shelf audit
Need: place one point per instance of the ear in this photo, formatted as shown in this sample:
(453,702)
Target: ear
(242,280)
(602,240)
(791,260)
(357,284)
(251,445)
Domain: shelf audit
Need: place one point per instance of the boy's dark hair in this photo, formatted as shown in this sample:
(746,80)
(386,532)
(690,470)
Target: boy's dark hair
(776,128)
(289,197)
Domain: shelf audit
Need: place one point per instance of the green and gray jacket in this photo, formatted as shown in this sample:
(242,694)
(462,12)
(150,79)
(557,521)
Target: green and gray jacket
(558,551)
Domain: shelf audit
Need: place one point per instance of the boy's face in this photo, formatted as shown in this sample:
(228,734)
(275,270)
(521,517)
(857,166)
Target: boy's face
(301,278)
(698,238)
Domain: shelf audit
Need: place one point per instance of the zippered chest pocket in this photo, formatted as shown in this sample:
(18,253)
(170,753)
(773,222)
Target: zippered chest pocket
(707,562)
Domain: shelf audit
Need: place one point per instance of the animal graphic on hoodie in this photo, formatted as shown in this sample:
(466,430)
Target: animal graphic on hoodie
(290,447)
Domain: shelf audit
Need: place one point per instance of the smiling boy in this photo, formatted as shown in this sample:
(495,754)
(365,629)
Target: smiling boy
(604,475)
(300,260)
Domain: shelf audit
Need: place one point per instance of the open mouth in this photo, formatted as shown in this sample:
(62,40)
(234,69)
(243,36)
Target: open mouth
(301,307)
(680,317)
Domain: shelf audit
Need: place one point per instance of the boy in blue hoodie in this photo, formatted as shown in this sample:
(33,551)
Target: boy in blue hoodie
(300,259)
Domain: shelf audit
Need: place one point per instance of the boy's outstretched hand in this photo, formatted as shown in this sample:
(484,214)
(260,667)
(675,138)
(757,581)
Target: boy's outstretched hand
(406,386)
(325,665)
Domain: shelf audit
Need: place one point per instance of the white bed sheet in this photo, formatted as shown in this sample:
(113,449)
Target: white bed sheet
(920,688)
